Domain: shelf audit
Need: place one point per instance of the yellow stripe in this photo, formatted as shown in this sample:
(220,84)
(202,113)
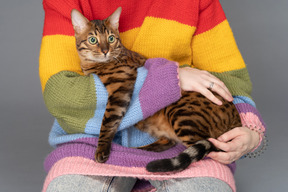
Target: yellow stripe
(161,38)
(58,53)
(155,38)
(128,37)
(216,50)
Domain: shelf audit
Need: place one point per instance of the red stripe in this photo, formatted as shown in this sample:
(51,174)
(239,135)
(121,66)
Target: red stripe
(57,19)
(57,13)
(211,14)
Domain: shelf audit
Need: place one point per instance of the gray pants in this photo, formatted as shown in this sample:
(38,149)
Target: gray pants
(83,183)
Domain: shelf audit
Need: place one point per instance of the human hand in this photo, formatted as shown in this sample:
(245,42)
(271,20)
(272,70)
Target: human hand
(235,143)
(192,79)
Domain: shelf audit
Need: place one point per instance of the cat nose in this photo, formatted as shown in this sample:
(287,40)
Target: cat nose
(104,51)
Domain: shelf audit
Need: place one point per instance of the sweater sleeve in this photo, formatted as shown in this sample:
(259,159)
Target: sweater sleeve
(68,95)
(73,99)
(215,50)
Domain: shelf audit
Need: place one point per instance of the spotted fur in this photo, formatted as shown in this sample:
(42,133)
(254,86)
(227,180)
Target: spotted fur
(190,121)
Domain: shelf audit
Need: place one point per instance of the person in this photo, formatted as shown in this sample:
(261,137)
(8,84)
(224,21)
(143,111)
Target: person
(193,34)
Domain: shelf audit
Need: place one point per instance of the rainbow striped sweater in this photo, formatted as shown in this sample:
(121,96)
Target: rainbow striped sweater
(191,33)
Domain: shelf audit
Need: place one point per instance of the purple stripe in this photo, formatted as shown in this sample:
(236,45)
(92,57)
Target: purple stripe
(245,108)
(161,87)
(121,156)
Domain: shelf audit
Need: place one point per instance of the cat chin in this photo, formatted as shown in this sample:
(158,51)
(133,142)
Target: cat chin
(102,60)
(98,59)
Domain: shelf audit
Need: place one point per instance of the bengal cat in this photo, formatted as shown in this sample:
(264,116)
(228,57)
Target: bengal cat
(190,121)
(101,52)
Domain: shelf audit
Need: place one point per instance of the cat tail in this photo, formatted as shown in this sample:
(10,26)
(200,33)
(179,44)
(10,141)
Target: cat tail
(192,154)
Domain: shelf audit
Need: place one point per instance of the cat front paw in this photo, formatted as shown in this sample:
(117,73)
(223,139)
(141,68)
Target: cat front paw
(102,155)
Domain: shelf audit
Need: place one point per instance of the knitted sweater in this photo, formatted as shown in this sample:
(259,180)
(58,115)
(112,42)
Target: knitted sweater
(191,32)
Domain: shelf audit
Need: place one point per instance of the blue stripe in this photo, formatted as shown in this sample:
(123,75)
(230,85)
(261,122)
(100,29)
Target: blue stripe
(132,137)
(134,113)
(132,116)
(127,135)
(243,99)
(58,136)
(94,124)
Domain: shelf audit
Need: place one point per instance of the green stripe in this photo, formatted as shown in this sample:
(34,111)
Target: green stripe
(237,81)
(71,99)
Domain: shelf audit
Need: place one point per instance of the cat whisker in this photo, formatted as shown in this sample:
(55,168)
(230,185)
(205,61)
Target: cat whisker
(90,60)
(116,58)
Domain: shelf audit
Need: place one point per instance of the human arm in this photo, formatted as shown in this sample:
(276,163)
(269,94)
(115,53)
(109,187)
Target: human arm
(215,50)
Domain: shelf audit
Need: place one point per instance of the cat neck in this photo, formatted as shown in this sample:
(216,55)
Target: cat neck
(128,55)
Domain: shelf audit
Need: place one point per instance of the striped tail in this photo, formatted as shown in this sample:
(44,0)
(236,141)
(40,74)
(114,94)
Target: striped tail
(192,154)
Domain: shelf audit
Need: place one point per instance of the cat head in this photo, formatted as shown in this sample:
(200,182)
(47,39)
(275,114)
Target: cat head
(97,41)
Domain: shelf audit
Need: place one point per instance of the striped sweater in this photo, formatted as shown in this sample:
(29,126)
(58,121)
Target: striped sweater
(192,33)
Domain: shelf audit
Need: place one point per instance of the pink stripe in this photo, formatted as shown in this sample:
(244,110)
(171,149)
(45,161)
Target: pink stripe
(246,108)
(249,119)
(82,166)
(253,122)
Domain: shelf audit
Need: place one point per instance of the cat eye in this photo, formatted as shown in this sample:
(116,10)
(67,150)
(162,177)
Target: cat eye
(111,39)
(92,40)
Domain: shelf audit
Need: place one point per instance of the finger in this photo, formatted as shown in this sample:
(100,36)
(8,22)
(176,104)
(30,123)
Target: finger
(221,89)
(227,147)
(231,146)
(229,135)
(209,95)
(222,92)
(223,157)
(213,78)
(221,84)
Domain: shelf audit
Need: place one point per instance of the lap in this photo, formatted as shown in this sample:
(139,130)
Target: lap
(86,183)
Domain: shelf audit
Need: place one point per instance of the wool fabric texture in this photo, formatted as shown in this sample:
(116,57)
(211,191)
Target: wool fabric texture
(192,33)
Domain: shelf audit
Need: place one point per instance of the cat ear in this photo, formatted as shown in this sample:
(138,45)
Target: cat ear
(113,20)
(79,22)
